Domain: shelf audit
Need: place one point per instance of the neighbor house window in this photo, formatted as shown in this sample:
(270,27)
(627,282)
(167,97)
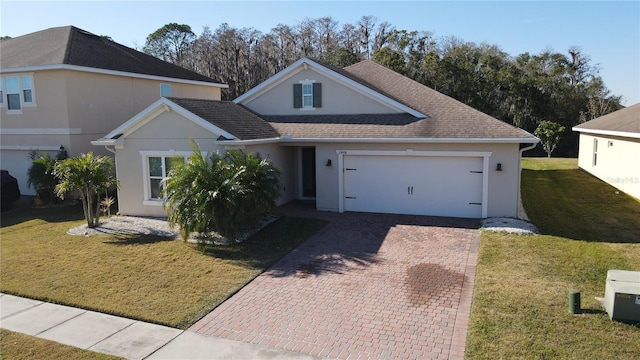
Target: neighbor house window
(307,95)
(16,92)
(27,91)
(165,90)
(13,93)
(595,152)
(156,166)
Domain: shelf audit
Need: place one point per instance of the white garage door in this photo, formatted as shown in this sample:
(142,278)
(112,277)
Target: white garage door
(417,185)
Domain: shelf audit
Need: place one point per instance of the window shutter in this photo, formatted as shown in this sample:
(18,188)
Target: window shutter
(297,96)
(317,95)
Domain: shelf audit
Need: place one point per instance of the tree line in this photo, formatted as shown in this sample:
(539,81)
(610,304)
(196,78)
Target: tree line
(523,90)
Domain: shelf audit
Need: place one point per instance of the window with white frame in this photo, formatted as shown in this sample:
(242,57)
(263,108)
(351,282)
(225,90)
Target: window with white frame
(156,167)
(165,90)
(159,168)
(307,95)
(16,91)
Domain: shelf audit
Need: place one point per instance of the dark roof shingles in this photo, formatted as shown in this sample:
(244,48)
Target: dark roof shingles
(229,116)
(72,46)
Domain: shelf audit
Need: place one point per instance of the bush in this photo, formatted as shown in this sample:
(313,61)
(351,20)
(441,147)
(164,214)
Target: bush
(227,194)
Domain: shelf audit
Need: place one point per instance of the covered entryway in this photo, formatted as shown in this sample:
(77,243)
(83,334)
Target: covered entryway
(417,183)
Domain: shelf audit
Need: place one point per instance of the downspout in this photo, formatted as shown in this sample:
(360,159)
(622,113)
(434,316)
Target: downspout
(113,148)
(520,177)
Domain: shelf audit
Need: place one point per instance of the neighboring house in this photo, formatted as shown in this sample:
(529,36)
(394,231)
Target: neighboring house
(362,138)
(610,149)
(65,87)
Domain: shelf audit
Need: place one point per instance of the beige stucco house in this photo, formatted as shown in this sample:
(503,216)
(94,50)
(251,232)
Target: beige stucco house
(362,138)
(610,149)
(65,87)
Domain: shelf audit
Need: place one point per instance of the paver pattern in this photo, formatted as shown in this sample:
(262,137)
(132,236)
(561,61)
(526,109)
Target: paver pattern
(366,286)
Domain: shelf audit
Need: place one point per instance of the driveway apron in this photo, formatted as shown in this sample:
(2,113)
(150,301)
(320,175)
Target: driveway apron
(366,286)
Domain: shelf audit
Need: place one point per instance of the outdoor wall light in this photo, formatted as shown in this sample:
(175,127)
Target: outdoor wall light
(499,167)
(328,162)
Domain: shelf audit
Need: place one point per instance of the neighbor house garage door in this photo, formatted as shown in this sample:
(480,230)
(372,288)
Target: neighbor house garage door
(418,185)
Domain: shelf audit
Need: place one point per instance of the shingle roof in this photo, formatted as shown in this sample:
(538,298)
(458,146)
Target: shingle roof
(624,120)
(447,117)
(69,45)
(229,116)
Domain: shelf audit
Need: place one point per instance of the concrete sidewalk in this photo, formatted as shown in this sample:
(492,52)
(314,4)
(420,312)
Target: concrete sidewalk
(130,339)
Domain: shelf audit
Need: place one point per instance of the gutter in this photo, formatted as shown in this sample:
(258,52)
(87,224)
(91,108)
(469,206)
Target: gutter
(520,175)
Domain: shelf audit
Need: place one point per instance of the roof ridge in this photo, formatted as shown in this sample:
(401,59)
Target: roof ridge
(67,50)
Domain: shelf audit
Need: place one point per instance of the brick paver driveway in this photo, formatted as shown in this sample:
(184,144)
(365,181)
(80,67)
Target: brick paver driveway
(366,286)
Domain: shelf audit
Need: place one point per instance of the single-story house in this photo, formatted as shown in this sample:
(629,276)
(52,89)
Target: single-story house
(363,138)
(610,149)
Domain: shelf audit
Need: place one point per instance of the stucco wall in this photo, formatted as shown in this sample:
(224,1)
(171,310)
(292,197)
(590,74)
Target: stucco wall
(502,189)
(279,99)
(618,161)
(169,131)
(72,108)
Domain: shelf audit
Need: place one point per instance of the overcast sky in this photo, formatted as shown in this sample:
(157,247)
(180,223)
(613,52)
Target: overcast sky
(607,31)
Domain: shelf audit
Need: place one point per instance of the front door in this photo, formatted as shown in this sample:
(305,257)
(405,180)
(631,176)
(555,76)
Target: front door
(308,167)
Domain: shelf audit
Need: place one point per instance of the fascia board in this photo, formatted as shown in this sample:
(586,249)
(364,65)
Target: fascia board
(127,125)
(272,81)
(608,132)
(354,85)
(286,139)
(157,108)
(110,72)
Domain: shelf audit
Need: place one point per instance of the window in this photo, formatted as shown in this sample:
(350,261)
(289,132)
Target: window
(159,168)
(27,91)
(595,152)
(13,93)
(307,95)
(156,166)
(17,92)
(165,90)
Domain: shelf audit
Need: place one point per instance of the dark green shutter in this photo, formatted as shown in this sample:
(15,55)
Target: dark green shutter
(317,95)
(297,96)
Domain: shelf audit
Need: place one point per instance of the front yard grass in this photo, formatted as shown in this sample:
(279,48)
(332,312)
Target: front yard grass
(148,278)
(20,346)
(520,302)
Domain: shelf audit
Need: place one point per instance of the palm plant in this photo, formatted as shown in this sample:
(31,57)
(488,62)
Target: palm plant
(88,175)
(224,194)
(40,177)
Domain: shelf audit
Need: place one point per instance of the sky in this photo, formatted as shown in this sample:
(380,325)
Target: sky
(607,31)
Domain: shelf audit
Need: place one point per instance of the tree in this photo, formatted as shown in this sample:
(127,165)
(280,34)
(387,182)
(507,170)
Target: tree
(549,134)
(226,194)
(88,175)
(170,43)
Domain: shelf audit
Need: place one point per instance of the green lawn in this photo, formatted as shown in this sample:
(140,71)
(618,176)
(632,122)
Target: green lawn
(19,346)
(520,305)
(141,277)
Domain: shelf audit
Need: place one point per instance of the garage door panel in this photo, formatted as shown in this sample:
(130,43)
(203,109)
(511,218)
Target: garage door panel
(420,185)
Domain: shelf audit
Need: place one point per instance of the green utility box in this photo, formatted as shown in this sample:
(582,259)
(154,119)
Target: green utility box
(622,295)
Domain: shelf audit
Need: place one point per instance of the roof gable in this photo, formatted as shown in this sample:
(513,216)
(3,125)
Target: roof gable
(337,76)
(71,46)
(222,118)
(162,105)
(624,122)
